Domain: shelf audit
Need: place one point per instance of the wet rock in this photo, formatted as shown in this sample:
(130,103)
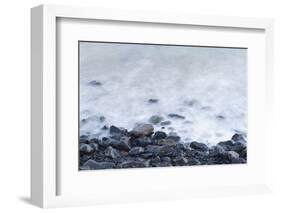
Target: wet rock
(166,150)
(193,162)
(243,154)
(114,130)
(180,161)
(105,127)
(155,119)
(173,115)
(122,144)
(199,146)
(232,154)
(216,150)
(165,123)
(166,159)
(142,130)
(165,164)
(159,135)
(155,161)
(94,146)
(95,83)
(147,155)
(141,141)
(238,147)
(84,158)
(112,153)
(238,138)
(153,101)
(136,151)
(134,164)
(174,138)
(85,148)
(102,118)
(152,149)
(227,145)
(220,117)
(92,164)
(168,142)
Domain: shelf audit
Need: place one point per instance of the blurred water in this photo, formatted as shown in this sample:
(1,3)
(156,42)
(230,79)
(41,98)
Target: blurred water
(206,85)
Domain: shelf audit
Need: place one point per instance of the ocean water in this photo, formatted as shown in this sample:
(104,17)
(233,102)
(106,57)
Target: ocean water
(206,85)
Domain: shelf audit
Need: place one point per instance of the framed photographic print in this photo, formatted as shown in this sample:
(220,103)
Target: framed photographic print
(130,106)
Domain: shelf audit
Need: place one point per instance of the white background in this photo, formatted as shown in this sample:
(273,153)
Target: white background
(15,98)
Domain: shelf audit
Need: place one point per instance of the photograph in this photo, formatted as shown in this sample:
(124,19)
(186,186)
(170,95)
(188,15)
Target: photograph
(161,105)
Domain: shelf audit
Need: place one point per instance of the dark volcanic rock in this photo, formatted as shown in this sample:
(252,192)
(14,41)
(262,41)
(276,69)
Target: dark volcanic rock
(193,162)
(199,146)
(155,161)
(173,115)
(166,150)
(180,161)
(105,127)
(142,130)
(167,141)
(227,145)
(92,164)
(95,83)
(155,119)
(122,144)
(174,138)
(238,138)
(86,148)
(153,101)
(243,154)
(141,141)
(136,151)
(112,153)
(165,123)
(114,130)
(159,135)
(152,149)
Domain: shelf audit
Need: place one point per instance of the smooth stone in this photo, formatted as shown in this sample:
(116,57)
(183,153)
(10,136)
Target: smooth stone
(166,150)
(122,144)
(136,151)
(173,115)
(159,135)
(174,138)
(167,141)
(94,146)
(233,155)
(165,123)
(92,164)
(165,164)
(153,100)
(141,141)
(166,159)
(86,148)
(143,130)
(243,154)
(238,138)
(114,130)
(227,145)
(155,119)
(217,150)
(193,162)
(238,147)
(153,149)
(84,168)
(155,161)
(199,146)
(95,83)
(220,117)
(180,161)
(112,153)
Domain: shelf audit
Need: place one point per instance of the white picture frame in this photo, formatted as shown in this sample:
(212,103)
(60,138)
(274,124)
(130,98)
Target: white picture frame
(44,148)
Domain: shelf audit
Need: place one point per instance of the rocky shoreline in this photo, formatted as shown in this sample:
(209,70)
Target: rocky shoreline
(142,147)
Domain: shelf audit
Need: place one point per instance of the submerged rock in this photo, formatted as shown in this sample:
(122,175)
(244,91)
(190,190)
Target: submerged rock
(173,115)
(114,130)
(165,123)
(155,119)
(142,130)
(95,83)
(153,100)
